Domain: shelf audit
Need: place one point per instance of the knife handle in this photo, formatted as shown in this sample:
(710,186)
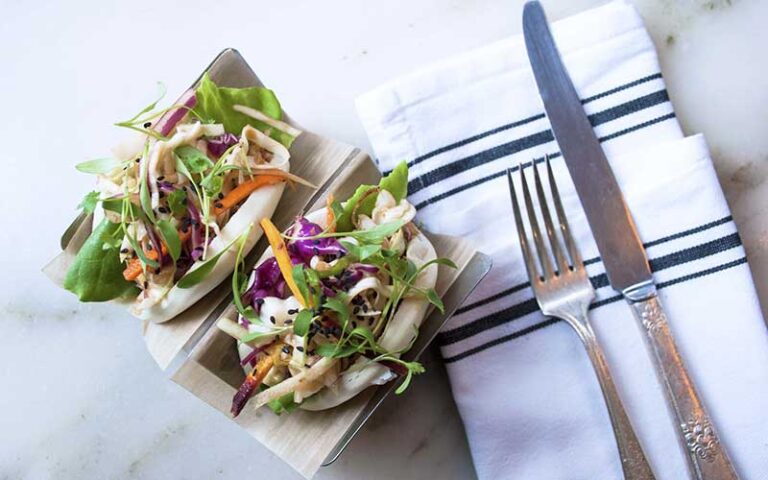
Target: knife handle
(707,457)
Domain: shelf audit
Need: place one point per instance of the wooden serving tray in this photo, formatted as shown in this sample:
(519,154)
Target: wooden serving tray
(199,357)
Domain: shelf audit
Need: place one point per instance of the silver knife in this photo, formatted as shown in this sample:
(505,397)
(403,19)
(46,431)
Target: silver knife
(620,247)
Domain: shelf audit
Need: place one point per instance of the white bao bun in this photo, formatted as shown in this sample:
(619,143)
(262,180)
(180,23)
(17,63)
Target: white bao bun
(261,203)
(397,334)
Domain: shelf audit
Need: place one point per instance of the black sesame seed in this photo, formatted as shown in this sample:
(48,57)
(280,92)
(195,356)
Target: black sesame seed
(199,248)
(161,194)
(288,322)
(301,349)
(354,324)
(149,247)
(365,308)
(124,250)
(163,210)
(147,124)
(184,188)
(272,319)
(221,195)
(218,205)
(259,301)
(307,365)
(286,349)
(161,178)
(146,285)
(138,160)
(293,311)
(356,310)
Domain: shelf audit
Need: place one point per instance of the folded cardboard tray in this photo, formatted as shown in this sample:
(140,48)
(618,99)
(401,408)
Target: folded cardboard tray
(199,357)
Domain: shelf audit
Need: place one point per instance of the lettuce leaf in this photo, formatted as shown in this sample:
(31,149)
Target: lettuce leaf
(395,183)
(96,275)
(215,103)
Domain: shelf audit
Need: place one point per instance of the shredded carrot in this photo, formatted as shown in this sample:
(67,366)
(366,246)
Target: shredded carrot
(330,218)
(184,236)
(280,252)
(134,268)
(251,384)
(241,192)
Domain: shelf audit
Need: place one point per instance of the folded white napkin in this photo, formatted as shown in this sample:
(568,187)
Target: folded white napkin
(523,384)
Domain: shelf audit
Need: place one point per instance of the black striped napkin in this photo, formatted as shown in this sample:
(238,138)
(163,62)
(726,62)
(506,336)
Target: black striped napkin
(530,402)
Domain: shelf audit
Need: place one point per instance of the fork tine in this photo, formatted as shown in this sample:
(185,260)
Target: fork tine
(546,262)
(573,252)
(554,243)
(530,263)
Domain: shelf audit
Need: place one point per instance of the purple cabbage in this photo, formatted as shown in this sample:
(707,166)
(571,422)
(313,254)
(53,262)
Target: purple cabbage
(197,233)
(328,248)
(219,144)
(268,282)
(165,186)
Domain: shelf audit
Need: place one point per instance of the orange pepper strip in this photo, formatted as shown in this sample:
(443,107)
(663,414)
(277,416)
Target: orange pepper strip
(280,252)
(241,192)
(330,218)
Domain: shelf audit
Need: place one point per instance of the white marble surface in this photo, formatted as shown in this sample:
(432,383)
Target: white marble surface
(79,396)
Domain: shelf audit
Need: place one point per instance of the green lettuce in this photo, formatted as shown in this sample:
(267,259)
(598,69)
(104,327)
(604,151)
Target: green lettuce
(96,275)
(215,103)
(395,183)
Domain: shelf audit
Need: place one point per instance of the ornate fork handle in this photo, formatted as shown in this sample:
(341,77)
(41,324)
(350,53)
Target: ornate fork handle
(633,461)
(706,455)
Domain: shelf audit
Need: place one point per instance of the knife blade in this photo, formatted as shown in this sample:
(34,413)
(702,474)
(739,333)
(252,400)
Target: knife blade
(620,247)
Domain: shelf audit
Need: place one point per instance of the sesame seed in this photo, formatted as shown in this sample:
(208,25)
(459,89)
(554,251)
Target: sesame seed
(218,205)
(163,210)
(161,178)
(221,195)
(147,124)
(259,301)
(293,311)
(272,318)
(138,160)
(146,285)
(301,349)
(286,349)
(149,247)
(124,250)
(288,322)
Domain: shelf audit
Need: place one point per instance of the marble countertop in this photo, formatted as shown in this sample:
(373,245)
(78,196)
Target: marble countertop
(80,396)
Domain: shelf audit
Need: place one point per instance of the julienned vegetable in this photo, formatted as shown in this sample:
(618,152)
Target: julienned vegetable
(177,200)
(336,302)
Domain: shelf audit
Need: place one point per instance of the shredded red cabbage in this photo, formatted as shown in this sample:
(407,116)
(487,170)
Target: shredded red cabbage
(219,144)
(327,248)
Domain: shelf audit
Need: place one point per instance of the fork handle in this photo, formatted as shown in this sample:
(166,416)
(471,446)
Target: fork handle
(707,457)
(633,460)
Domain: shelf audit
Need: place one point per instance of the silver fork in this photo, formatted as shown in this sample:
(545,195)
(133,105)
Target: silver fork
(563,290)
